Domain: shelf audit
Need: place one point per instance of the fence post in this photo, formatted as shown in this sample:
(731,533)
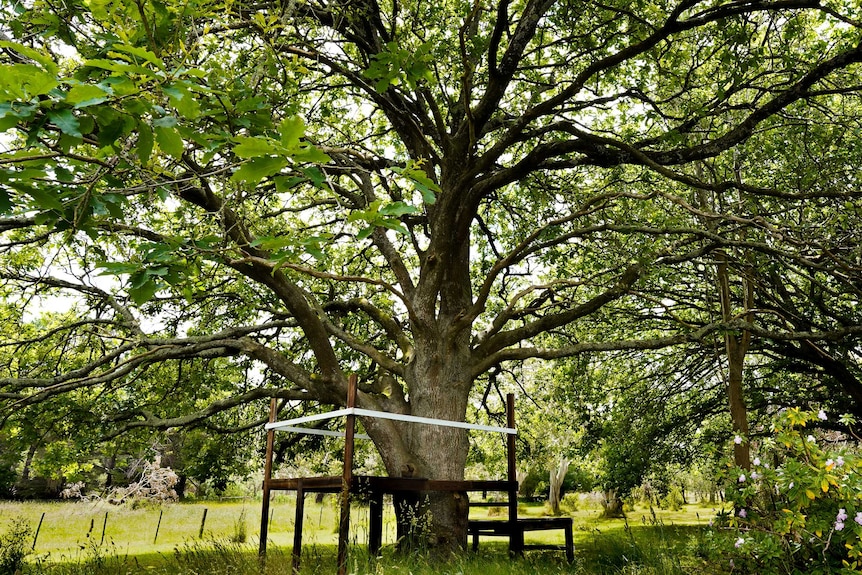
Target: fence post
(39,528)
(203,522)
(104,527)
(158,525)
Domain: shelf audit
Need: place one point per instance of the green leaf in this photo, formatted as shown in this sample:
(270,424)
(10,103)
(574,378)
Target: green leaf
(141,53)
(312,155)
(7,122)
(315,176)
(42,58)
(5,201)
(170,141)
(17,110)
(25,81)
(66,121)
(85,95)
(165,122)
(144,292)
(397,209)
(145,142)
(255,147)
(283,184)
(257,169)
(45,199)
(111,125)
(183,100)
(421,182)
(120,67)
(272,243)
(291,129)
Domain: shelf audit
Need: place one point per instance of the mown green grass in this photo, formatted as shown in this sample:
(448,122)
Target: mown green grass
(654,542)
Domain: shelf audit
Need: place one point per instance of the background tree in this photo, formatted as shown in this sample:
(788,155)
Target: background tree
(417,192)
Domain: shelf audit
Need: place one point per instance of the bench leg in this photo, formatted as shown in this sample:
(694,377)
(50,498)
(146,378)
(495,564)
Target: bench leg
(570,545)
(516,542)
(375,523)
(296,554)
(475,541)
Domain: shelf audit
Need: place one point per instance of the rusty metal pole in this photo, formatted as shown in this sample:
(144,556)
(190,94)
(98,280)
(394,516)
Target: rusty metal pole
(267,475)
(346,478)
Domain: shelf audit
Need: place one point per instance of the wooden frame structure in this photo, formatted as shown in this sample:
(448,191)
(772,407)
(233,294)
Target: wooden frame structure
(376,487)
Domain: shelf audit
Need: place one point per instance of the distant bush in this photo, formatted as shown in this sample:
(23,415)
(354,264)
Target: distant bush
(673,500)
(569,503)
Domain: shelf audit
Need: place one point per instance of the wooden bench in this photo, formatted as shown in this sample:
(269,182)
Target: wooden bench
(512,526)
(515,532)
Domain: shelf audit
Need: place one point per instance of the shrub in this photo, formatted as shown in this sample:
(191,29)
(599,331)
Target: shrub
(673,500)
(240,529)
(799,508)
(570,501)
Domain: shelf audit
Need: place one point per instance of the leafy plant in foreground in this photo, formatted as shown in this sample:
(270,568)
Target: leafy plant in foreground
(799,508)
(14,547)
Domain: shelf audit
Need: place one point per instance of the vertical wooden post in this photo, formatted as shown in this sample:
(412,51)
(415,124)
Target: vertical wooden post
(296,555)
(375,522)
(267,475)
(346,478)
(516,538)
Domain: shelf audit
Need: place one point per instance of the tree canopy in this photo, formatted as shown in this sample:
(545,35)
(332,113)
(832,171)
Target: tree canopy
(419,192)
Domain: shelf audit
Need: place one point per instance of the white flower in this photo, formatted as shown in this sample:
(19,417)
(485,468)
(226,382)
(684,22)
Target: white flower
(756,461)
(737,439)
(822,415)
(742,478)
(858,518)
(839,461)
(739,543)
(810,439)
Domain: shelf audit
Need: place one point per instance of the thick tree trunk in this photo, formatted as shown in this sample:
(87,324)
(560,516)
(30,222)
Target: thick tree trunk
(439,388)
(439,382)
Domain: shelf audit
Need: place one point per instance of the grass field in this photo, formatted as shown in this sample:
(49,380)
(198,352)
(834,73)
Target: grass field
(72,534)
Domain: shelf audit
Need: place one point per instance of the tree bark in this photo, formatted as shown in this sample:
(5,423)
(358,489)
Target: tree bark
(736,348)
(612,504)
(556,477)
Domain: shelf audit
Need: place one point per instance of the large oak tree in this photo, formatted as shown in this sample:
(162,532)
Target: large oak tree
(418,192)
